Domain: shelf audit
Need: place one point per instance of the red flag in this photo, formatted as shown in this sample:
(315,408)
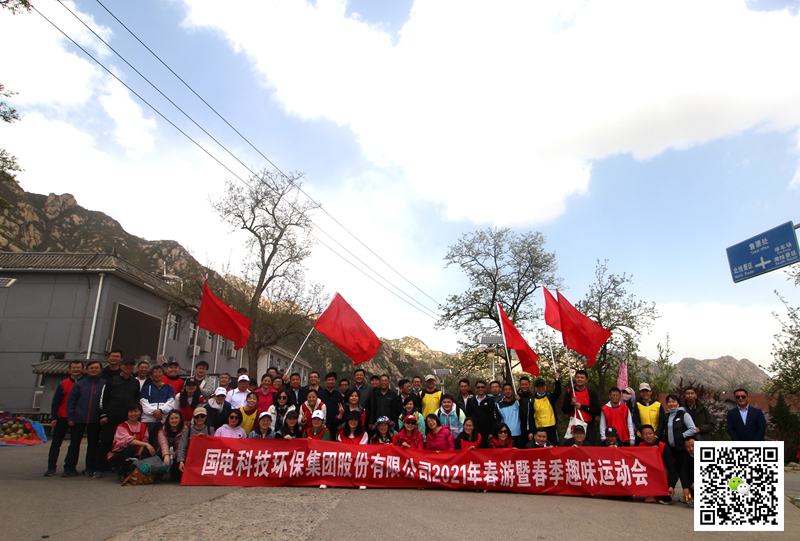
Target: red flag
(342,325)
(221,319)
(551,314)
(622,376)
(515,341)
(580,333)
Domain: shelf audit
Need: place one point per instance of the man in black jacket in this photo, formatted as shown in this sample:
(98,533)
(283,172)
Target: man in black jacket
(385,401)
(332,399)
(483,409)
(113,368)
(119,393)
(405,391)
(649,436)
(699,413)
(585,400)
(365,389)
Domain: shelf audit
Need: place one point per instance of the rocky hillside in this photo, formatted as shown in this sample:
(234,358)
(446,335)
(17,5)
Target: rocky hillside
(723,373)
(57,223)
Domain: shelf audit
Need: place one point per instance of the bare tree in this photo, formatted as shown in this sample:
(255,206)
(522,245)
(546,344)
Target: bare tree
(271,288)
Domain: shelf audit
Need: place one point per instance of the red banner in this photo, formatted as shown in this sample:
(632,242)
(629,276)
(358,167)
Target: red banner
(631,471)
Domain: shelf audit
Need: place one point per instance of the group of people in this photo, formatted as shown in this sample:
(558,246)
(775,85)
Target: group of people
(133,410)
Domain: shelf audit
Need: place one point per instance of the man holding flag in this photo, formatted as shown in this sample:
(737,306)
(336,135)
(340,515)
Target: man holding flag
(584,404)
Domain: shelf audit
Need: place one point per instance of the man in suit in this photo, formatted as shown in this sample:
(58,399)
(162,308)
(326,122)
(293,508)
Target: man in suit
(745,423)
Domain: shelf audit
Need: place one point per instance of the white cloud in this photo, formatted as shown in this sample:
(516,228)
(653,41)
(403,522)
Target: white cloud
(711,330)
(518,99)
(132,130)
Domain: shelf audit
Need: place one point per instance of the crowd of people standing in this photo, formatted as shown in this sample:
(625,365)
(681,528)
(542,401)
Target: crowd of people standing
(132,410)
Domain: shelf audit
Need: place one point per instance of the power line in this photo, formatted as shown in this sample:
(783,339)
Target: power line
(429,313)
(263,156)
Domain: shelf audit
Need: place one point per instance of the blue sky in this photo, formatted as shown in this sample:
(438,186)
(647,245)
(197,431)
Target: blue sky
(652,134)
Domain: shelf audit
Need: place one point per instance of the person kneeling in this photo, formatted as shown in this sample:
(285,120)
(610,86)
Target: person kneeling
(130,441)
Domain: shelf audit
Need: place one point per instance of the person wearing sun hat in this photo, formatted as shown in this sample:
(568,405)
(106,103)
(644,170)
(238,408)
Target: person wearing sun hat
(317,430)
(238,397)
(198,428)
(409,436)
(384,431)
(218,408)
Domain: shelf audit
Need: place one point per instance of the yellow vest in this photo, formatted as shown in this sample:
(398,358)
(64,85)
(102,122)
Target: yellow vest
(649,415)
(430,402)
(543,415)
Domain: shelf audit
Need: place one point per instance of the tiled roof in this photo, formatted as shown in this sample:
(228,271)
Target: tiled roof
(60,367)
(64,262)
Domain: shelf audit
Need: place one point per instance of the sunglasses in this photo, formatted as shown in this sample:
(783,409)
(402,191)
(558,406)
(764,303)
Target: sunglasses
(283,398)
(410,422)
(738,396)
(234,417)
(480,386)
(200,416)
(503,432)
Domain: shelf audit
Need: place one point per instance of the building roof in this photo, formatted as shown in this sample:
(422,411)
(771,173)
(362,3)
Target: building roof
(286,353)
(86,262)
(60,367)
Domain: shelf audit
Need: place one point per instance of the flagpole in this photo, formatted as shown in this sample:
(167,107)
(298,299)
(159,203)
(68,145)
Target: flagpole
(299,350)
(553,355)
(508,356)
(194,348)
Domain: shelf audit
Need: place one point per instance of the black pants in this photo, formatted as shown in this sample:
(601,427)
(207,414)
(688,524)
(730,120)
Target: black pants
(678,454)
(552,435)
(119,461)
(92,443)
(591,433)
(152,433)
(107,441)
(59,432)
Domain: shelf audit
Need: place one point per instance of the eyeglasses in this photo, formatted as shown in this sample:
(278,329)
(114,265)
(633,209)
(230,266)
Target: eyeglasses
(738,396)
(201,416)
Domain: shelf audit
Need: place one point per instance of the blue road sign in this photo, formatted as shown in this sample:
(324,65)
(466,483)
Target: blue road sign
(764,253)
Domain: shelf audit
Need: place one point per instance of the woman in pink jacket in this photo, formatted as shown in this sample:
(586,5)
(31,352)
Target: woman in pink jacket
(437,437)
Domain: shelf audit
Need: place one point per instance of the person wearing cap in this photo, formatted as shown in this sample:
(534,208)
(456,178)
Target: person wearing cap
(172,376)
(616,414)
(204,384)
(384,431)
(410,408)
(291,427)
(431,397)
(118,394)
(238,397)
(157,399)
(217,408)
(316,429)
(234,427)
(197,428)
(353,432)
(189,398)
(649,409)
(583,403)
(263,429)
(311,405)
(543,410)
(409,436)
(578,438)
(169,437)
(611,437)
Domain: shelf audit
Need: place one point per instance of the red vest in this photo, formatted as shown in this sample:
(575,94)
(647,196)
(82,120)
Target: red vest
(311,436)
(583,400)
(66,387)
(618,418)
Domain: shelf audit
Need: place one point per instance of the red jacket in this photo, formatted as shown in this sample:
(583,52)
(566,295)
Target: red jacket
(494,443)
(265,400)
(416,441)
(443,441)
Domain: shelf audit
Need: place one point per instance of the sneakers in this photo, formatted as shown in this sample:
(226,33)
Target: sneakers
(97,474)
(682,500)
(666,500)
(70,473)
(323,486)
(49,473)
(362,488)
(87,473)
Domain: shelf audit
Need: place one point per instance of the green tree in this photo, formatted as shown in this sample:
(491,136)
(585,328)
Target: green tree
(786,354)
(16,6)
(662,373)
(609,304)
(783,426)
(500,266)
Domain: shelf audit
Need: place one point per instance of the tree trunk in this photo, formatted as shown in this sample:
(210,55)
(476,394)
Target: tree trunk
(252,359)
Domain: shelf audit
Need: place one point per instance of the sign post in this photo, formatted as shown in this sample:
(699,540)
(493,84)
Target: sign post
(764,253)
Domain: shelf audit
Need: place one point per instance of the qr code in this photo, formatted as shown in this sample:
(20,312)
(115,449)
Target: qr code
(738,486)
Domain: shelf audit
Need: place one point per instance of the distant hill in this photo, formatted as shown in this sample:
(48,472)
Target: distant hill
(724,372)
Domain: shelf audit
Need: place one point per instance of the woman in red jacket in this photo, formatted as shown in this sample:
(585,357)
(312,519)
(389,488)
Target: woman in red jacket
(353,431)
(409,437)
(437,437)
(469,437)
(502,438)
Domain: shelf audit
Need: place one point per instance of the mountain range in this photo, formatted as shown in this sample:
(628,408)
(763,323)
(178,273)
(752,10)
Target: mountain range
(38,223)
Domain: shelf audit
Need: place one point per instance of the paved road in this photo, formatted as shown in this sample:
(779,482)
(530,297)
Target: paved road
(83,509)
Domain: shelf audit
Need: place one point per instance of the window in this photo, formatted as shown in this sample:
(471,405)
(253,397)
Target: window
(222,345)
(135,332)
(192,331)
(40,380)
(173,326)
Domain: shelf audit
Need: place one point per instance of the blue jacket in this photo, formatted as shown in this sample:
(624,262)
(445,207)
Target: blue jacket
(509,413)
(83,403)
(756,425)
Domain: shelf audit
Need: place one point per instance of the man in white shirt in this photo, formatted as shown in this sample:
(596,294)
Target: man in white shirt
(237,398)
